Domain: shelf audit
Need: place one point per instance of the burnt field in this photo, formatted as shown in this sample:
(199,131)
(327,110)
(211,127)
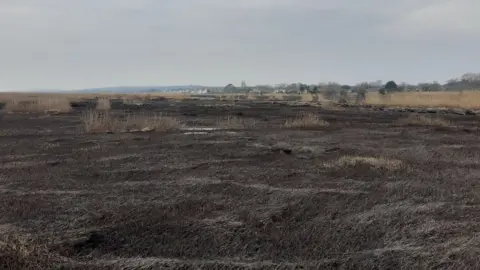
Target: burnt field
(240,187)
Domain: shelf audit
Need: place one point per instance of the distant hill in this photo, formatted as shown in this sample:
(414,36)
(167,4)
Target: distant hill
(143,89)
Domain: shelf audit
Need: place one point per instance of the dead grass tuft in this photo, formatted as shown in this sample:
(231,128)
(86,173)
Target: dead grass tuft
(97,121)
(18,254)
(103,104)
(235,122)
(464,99)
(159,123)
(423,120)
(104,121)
(374,162)
(40,104)
(306,121)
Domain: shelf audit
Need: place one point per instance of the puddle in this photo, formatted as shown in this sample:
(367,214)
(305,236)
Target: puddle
(203,130)
(196,133)
(200,129)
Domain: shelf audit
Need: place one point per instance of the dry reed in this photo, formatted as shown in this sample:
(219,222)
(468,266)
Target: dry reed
(306,121)
(235,122)
(103,104)
(104,121)
(423,120)
(374,162)
(465,99)
(42,104)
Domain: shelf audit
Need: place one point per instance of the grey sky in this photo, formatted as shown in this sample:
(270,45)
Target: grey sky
(71,44)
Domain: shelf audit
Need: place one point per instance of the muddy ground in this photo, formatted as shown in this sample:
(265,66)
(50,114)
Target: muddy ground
(362,193)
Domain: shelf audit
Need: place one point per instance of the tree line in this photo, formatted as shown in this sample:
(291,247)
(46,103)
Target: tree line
(468,81)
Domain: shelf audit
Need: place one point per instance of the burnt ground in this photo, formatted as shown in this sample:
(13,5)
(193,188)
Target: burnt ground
(363,193)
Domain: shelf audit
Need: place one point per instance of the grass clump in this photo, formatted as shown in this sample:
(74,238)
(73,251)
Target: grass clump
(374,162)
(159,123)
(235,122)
(306,121)
(103,104)
(39,105)
(23,255)
(423,120)
(444,99)
(95,121)
(99,121)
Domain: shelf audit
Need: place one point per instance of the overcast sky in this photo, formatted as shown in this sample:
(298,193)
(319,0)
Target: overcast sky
(71,44)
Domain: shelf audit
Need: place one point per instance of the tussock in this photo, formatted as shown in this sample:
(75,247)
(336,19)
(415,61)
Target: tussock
(235,122)
(40,104)
(105,121)
(464,99)
(423,120)
(374,162)
(103,104)
(159,123)
(98,121)
(23,255)
(306,121)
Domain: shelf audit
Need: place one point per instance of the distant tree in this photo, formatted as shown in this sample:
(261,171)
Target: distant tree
(363,85)
(391,86)
(334,86)
(243,85)
(303,88)
(375,84)
(361,96)
(382,91)
(329,94)
(280,86)
(346,87)
(291,88)
(362,93)
(343,96)
(468,81)
(429,87)
(314,91)
(230,88)
(264,88)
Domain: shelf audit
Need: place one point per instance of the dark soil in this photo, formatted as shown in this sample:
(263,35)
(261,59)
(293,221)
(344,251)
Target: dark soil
(261,198)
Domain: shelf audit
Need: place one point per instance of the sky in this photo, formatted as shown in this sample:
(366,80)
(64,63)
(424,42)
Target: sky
(72,44)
